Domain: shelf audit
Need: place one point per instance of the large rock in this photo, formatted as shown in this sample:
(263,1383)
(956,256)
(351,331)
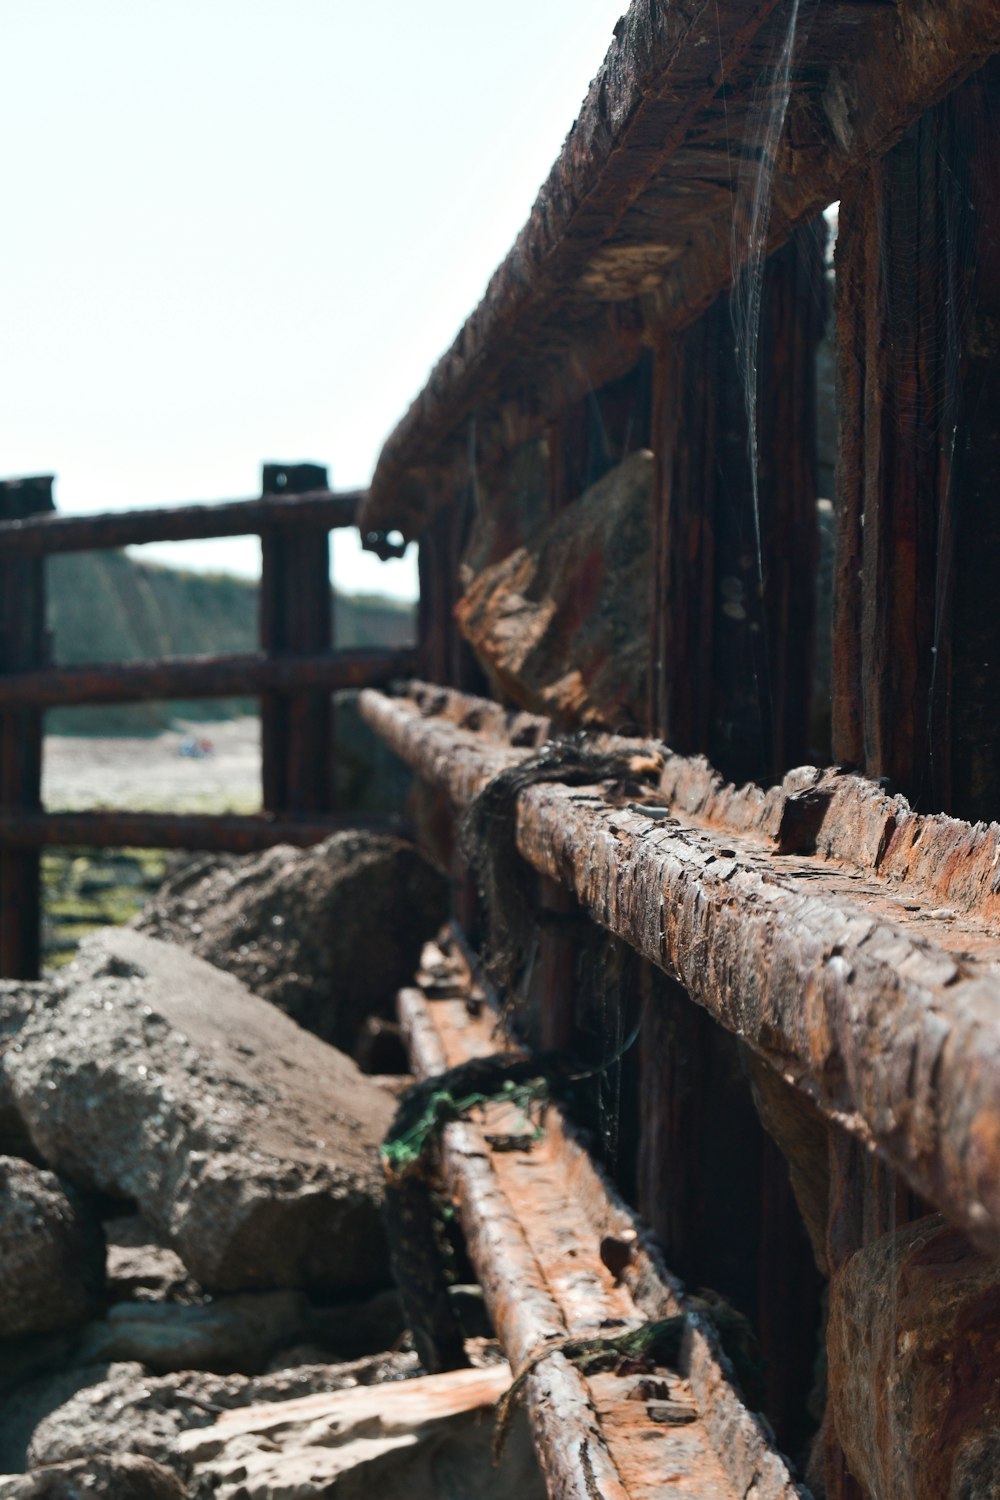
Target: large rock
(100,1478)
(51,1253)
(247,1143)
(126,1411)
(578,591)
(329,934)
(29,1402)
(912,1339)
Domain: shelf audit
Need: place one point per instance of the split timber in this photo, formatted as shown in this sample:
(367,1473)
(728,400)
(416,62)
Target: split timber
(851,943)
(534,1219)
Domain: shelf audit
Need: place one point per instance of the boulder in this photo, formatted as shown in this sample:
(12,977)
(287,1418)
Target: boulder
(51,1252)
(250,1146)
(17,1000)
(430,1441)
(127,1411)
(912,1337)
(28,1402)
(329,934)
(123,1477)
(577,591)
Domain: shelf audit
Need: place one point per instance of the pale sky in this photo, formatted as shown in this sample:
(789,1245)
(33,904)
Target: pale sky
(237,230)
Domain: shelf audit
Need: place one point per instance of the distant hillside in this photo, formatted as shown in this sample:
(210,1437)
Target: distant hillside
(105,606)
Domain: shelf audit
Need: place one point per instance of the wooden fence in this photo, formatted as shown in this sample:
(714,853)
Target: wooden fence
(294,673)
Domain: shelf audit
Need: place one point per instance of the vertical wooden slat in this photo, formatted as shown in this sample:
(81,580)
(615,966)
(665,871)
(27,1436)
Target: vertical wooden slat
(732,665)
(970,549)
(793,317)
(296,617)
(853,239)
(683,539)
(916,641)
(446,656)
(23,645)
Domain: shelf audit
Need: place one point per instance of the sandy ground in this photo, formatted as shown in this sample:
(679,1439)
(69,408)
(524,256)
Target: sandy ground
(151,774)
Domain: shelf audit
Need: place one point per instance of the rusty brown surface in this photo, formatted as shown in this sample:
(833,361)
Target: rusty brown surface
(836,959)
(183,523)
(231,833)
(203,677)
(534,1220)
(630,236)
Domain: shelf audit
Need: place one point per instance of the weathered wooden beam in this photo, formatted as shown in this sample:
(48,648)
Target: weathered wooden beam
(663,66)
(631,235)
(40,535)
(231,833)
(535,1220)
(807,920)
(203,677)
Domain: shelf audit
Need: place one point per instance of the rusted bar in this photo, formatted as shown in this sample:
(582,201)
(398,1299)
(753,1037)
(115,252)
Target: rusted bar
(534,1221)
(40,535)
(296,618)
(23,646)
(203,677)
(860,988)
(231,833)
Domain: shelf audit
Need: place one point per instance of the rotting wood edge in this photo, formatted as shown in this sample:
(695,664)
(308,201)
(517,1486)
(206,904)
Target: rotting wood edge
(579,1458)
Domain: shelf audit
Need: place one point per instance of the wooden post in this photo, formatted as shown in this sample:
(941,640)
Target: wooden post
(916,636)
(22,646)
(731,669)
(296,618)
(446,657)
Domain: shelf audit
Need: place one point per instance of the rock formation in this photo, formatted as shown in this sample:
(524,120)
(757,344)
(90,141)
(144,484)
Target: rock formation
(248,1144)
(51,1253)
(329,934)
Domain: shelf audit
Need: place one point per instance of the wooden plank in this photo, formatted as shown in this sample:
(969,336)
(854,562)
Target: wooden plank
(534,1219)
(23,645)
(40,535)
(811,934)
(231,833)
(204,677)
